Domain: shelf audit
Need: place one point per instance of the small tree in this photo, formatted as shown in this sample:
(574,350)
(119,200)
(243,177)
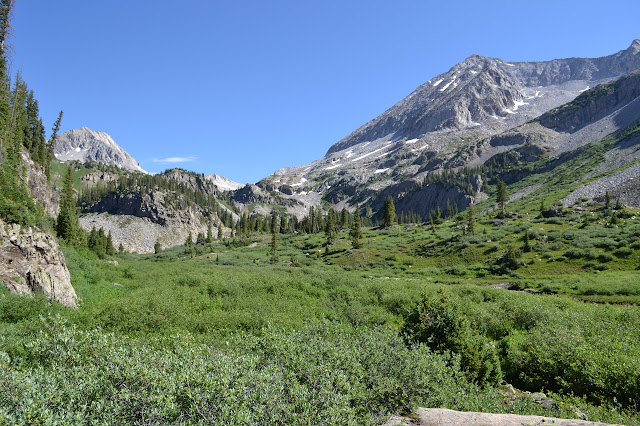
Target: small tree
(274,237)
(471,220)
(501,196)
(157,247)
(388,212)
(188,245)
(330,227)
(607,200)
(356,231)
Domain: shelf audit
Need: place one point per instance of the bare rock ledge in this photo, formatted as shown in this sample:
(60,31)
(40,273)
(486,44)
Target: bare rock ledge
(443,416)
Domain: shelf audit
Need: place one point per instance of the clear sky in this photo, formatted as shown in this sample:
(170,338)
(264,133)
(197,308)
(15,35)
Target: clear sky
(243,88)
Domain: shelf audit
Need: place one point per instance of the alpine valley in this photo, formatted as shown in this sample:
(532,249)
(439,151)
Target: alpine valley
(439,149)
(474,250)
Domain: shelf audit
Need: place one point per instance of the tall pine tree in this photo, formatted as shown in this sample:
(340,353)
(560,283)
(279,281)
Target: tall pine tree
(67,224)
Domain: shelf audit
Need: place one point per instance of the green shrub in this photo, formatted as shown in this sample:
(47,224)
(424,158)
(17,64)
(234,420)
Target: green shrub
(623,252)
(440,323)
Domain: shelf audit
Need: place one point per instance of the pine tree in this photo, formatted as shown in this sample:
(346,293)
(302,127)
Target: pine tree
(110,249)
(67,224)
(220,230)
(471,220)
(330,227)
(501,196)
(344,218)
(209,234)
(51,145)
(388,212)
(188,245)
(157,247)
(356,230)
(274,238)
(607,200)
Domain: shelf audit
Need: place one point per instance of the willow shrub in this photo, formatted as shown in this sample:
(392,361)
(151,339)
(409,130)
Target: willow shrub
(323,374)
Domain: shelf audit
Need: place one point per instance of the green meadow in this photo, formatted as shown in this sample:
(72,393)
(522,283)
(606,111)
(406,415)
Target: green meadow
(330,334)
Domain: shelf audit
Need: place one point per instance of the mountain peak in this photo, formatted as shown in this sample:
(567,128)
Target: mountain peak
(635,46)
(84,144)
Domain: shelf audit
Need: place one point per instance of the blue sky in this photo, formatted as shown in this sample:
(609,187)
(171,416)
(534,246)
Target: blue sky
(244,88)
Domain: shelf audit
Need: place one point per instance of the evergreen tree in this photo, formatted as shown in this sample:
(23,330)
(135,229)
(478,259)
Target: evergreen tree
(50,146)
(188,245)
(607,200)
(330,227)
(471,220)
(121,249)
(344,218)
(67,223)
(501,196)
(157,247)
(356,230)
(209,234)
(220,230)
(388,212)
(274,238)
(110,249)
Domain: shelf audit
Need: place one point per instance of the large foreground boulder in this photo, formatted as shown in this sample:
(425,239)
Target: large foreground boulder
(443,416)
(31,262)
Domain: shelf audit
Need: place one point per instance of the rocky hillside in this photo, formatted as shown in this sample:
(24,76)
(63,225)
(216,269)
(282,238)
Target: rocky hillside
(464,118)
(85,144)
(139,210)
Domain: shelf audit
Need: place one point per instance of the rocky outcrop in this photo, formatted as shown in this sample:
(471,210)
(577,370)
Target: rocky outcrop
(593,104)
(443,416)
(31,262)
(39,188)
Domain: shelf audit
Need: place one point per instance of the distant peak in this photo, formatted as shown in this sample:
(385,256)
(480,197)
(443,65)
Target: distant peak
(635,46)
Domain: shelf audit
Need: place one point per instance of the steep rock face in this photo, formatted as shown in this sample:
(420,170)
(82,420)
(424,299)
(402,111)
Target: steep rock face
(593,104)
(39,188)
(85,144)
(559,71)
(31,261)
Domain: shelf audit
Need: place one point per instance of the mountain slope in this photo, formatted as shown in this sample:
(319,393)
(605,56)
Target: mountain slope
(463,118)
(85,144)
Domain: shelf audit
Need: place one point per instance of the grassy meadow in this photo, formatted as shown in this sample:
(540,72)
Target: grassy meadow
(329,335)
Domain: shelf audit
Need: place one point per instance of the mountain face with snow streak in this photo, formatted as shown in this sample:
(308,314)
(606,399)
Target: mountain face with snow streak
(85,144)
(223,183)
(480,108)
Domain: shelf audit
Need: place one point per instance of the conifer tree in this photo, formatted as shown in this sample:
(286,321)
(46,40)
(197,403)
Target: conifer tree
(388,212)
(188,245)
(157,247)
(274,238)
(501,196)
(51,145)
(471,220)
(209,234)
(344,218)
(330,227)
(356,230)
(110,249)
(220,230)
(67,224)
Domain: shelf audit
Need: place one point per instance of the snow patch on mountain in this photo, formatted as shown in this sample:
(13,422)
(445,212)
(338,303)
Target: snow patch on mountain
(223,183)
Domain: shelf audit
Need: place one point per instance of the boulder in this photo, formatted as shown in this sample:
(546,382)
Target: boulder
(31,262)
(443,416)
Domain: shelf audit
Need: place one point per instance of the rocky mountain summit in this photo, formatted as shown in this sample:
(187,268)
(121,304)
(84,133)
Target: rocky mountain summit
(85,145)
(480,108)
